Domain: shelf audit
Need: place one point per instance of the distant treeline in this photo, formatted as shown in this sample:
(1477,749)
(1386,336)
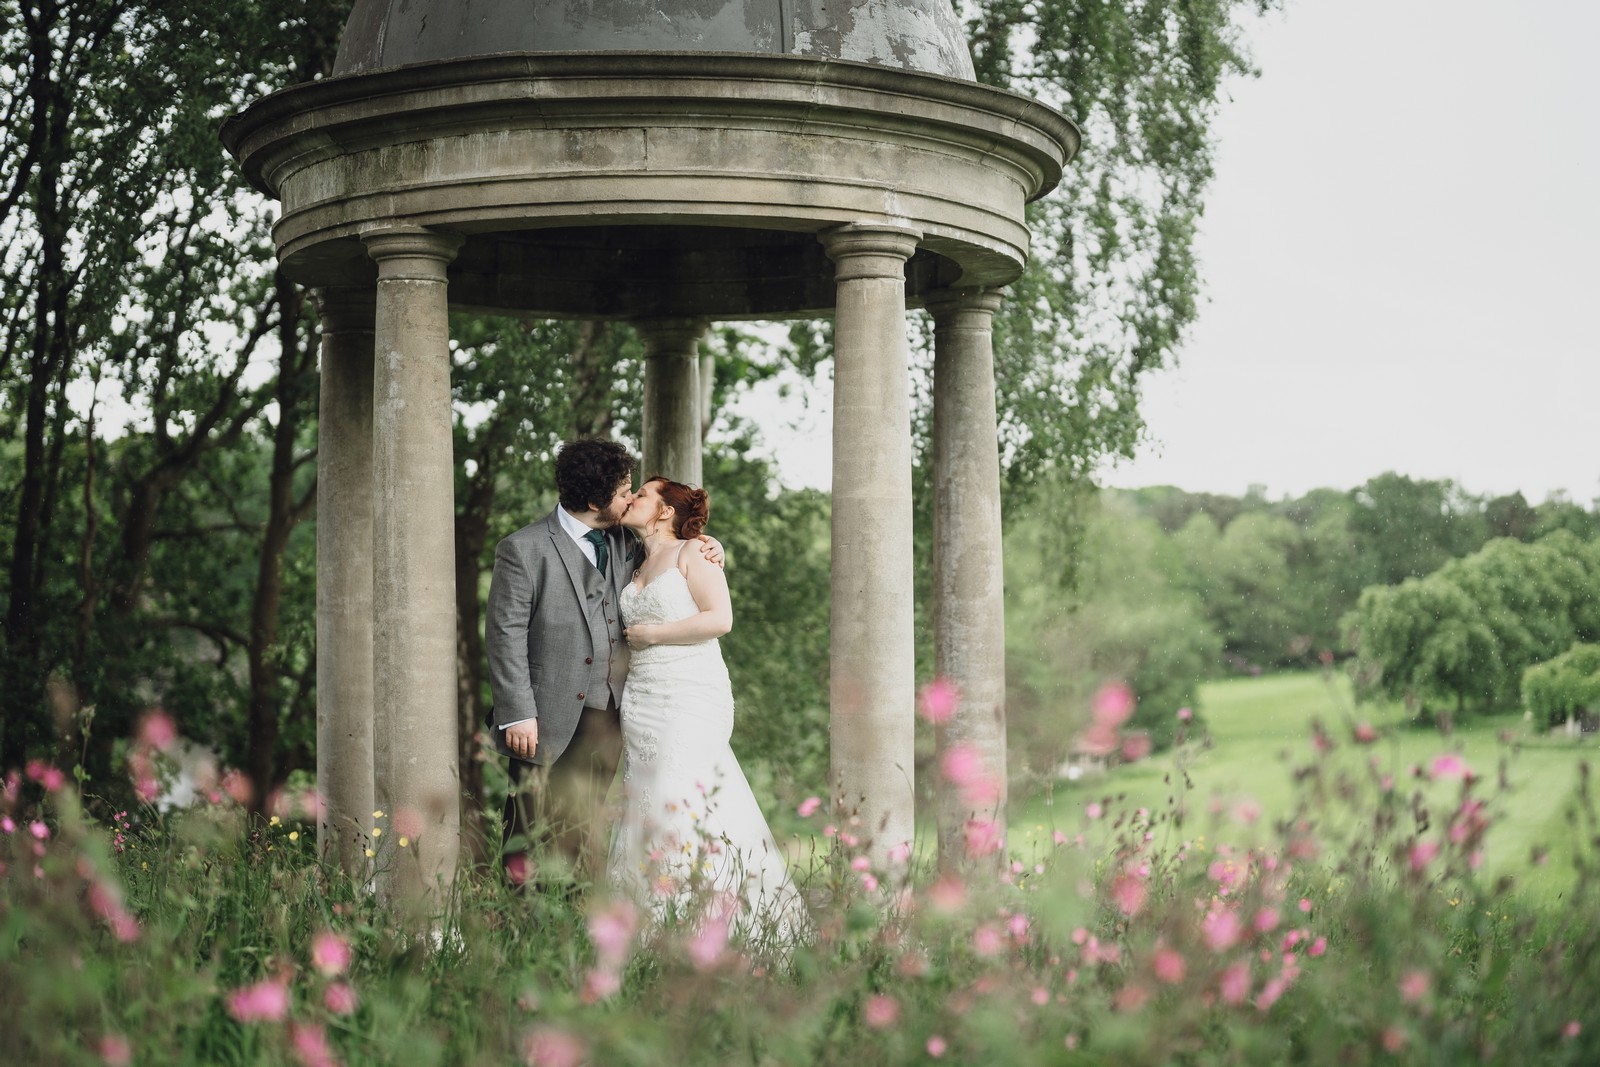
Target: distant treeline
(1171,587)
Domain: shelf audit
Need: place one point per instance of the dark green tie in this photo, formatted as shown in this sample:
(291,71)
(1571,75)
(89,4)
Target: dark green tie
(601,552)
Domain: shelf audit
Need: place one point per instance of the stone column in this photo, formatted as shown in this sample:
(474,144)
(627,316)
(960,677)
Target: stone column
(414,611)
(672,398)
(968,571)
(872,690)
(344,579)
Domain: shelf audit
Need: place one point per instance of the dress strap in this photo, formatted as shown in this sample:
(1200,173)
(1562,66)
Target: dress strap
(677,561)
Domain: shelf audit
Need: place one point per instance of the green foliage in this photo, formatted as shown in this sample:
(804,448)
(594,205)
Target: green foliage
(1468,631)
(1112,285)
(1128,619)
(1560,688)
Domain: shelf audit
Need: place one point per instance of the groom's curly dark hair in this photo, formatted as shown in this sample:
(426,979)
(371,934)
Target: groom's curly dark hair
(589,471)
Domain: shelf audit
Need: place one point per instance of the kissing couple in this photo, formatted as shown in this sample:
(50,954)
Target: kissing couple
(602,631)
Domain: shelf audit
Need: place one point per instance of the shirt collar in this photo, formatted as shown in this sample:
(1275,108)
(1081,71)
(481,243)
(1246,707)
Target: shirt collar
(569,522)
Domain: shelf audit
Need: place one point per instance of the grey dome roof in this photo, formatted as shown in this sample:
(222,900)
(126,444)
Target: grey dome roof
(915,35)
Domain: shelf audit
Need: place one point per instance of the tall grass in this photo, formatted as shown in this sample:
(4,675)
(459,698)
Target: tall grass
(1359,925)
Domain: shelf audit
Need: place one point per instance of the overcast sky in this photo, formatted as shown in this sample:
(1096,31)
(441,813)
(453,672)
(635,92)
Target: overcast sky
(1400,258)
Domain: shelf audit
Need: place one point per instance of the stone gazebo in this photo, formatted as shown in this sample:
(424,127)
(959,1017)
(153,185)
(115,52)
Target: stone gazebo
(668,164)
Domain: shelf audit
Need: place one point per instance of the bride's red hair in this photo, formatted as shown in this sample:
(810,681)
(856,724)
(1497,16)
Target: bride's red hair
(693,506)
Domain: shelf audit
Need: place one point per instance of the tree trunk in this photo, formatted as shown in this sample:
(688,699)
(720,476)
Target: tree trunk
(472,536)
(295,379)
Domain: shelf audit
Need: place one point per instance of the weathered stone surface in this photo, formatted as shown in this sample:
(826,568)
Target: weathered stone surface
(666,185)
(922,35)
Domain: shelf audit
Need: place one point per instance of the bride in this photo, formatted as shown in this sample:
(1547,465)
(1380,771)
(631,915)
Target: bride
(692,830)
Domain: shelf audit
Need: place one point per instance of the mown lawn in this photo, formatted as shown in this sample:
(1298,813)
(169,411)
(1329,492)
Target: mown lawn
(1261,729)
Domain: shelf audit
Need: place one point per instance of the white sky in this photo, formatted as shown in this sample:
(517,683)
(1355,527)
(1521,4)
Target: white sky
(1399,250)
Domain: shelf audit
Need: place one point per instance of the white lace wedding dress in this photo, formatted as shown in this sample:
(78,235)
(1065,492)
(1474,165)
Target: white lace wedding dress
(692,835)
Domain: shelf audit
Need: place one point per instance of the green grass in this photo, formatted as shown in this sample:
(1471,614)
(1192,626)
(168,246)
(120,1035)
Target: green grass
(1261,729)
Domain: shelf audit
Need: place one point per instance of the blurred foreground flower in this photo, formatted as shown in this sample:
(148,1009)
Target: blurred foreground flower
(265,1001)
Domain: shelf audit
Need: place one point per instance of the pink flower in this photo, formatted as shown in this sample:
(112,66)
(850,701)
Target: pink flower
(1222,930)
(1365,734)
(1450,765)
(39,830)
(340,998)
(1271,992)
(1130,998)
(983,837)
(937,1046)
(1094,810)
(1318,947)
(158,731)
(7,825)
(1422,854)
(962,764)
(50,777)
(869,882)
(938,700)
(808,807)
(900,853)
(409,823)
(1129,894)
(1266,920)
(599,984)
(330,953)
(861,863)
(612,929)
(987,940)
(706,947)
(947,895)
(1113,704)
(1185,714)
(547,1046)
(1414,985)
(1234,985)
(1168,966)
(1393,1039)
(238,786)
(115,1050)
(266,1001)
(1572,1029)
(311,1045)
(1305,905)
(880,1012)
(1136,747)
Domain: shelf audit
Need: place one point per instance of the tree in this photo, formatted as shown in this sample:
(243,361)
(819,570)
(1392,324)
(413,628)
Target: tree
(1559,689)
(1409,528)
(1470,630)
(135,267)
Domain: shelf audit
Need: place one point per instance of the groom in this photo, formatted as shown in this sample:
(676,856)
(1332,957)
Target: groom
(557,658)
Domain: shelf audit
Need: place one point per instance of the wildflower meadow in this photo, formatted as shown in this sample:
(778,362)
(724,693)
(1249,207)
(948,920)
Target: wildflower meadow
(1358,925)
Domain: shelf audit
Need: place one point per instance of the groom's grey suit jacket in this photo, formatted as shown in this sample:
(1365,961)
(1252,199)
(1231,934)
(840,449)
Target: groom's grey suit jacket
(554,632)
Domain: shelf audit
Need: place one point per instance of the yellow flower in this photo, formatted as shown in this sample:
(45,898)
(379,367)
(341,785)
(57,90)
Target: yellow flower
(370,853)
(377,831)
(404,841)
(274,821)
(294,835)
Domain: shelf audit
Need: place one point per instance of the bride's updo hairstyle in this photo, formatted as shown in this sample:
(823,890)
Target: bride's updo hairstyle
(693,506)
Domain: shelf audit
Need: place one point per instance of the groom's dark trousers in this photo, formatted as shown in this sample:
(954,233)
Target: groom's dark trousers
(559,810)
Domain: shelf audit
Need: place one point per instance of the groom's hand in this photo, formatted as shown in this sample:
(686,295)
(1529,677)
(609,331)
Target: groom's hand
(523,738)
(711,549)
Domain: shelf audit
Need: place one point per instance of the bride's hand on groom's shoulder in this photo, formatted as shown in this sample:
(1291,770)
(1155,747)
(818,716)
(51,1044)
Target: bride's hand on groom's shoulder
(641,635)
